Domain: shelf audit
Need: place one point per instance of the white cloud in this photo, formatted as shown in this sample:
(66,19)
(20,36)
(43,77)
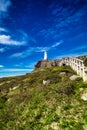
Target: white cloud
(17,55)
(1,66)
(31,65)
(19,65)
(7,72)
(3,29)
(51,47)
(15,70)
(23,54)
(4,9)
(71,55)
(4,5)
(2,50)
(57,44)
(26,66)
(79,48)
(6,40)
(30,50)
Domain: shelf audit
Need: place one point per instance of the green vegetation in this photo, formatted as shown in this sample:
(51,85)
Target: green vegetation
(27,104)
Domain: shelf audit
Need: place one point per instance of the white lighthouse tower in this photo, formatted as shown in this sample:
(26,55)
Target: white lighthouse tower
(45,55)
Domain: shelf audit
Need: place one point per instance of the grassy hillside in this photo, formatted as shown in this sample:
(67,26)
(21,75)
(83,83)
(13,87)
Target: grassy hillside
(27,104)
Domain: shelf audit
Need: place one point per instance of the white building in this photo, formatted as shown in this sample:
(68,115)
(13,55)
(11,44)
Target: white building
(45,55)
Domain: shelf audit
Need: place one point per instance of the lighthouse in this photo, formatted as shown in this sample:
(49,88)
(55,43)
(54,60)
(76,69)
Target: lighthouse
(45,55)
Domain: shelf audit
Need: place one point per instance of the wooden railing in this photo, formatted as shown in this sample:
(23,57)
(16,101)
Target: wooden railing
(78,66)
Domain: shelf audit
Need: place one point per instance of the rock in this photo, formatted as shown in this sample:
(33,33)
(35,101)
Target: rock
(62,73)
(84,96)
(46,82)
(48,64)
(85,127)
(14,88)
(81,89)
(74,77)
(2,83)
(55,126)
(8,81)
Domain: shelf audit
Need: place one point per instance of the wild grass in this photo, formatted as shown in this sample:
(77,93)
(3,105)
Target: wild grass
(34,106)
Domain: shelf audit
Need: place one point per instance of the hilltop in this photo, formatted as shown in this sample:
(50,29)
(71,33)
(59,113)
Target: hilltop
(58,62)
(47,64)
(46,99)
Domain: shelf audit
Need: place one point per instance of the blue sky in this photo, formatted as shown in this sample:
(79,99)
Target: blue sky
(28,27)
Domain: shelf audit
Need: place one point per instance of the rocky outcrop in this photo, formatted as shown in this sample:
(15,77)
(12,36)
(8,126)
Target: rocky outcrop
(48,64)
(84,96)
(46,82)
(74,77)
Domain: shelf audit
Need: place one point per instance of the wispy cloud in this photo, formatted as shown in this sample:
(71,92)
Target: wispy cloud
(30,50)
(1,66)
(4,8)
(14,70)
(57,44)
(64,19)
(26,66)
(71,55)
(77,51)
(2,50)
(4,5)
(79,48)
(52,46)
(7,40)
(19,65)
(23,54)
(31,65)
(3,29)
(7,72)
(17,55)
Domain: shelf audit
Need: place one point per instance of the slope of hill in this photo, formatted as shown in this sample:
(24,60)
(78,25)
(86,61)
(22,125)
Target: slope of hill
(26,103)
